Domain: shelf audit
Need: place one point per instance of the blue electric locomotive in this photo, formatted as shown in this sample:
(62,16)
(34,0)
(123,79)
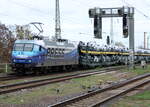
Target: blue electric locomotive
(33,55)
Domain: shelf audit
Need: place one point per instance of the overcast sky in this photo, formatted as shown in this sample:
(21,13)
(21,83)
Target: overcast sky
(75,22)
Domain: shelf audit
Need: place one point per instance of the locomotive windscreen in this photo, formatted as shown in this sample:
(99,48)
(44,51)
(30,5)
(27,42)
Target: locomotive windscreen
(23,47)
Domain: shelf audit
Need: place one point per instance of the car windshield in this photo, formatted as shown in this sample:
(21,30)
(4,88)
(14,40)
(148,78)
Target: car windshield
(23,47)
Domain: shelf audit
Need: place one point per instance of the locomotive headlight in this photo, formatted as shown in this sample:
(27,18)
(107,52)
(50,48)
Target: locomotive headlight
(30,60)
(14,60)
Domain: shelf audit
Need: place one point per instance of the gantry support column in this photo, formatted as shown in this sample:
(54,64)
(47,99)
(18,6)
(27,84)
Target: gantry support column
(131,41)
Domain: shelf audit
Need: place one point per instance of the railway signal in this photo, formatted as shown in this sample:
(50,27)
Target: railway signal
(127,13)
(98,13)
(125,26)
(97,27)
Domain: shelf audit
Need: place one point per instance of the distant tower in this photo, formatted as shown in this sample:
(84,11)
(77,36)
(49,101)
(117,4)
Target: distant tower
(57,22)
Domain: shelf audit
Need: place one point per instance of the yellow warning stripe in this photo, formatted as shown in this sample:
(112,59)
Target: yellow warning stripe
(112,53)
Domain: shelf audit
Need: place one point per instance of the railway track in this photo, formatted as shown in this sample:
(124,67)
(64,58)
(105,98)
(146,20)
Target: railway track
(11,77)
(16,77)
(35,83)
(99,97)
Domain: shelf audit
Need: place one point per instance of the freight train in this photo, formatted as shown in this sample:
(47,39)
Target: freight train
(42,55)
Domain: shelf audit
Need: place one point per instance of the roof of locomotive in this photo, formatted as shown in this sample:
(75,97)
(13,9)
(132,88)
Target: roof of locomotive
(38,42)
(49,43)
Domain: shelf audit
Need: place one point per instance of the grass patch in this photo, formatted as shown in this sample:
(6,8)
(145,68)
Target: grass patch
(3,68)
(55,90)
(64,88)
(138,70)
(142,96)
(48,76)
(138,100)
(42,77)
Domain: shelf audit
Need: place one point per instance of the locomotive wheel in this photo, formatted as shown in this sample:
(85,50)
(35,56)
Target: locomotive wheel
(21,72)
(14,70)
(36,71)
(44,71)
(68,67)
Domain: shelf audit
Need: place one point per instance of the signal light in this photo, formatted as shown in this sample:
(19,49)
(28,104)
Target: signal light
(97,27)
(103,12)
(125,20)
(125,26)
(91,13)
(95,21)
(120,11)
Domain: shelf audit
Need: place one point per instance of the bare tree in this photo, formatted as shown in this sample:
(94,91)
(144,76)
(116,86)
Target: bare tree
(23,32)
(6,43)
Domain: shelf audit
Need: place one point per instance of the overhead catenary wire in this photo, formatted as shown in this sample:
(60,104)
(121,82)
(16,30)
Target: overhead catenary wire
(79,3)
(23,4)
(67,18)
(30,17)
(23,18)
(70,18)
(139,11)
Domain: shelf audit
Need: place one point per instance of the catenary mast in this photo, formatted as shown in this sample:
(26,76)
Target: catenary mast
(57,21)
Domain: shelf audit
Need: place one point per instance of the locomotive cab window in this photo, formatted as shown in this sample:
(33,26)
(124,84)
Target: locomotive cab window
(18,47)
(23,47)
(41,49)
(36,48)
(28,47)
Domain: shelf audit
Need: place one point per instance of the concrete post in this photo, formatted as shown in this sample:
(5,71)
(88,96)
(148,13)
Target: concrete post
(6,68)
(131,40)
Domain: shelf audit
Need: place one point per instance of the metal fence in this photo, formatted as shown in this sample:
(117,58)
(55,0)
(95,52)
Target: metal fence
(5,67)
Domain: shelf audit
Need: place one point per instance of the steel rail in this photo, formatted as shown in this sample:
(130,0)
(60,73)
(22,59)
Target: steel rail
(35,83)
(12,77)
(119,94)
(15,77)
(86,95)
